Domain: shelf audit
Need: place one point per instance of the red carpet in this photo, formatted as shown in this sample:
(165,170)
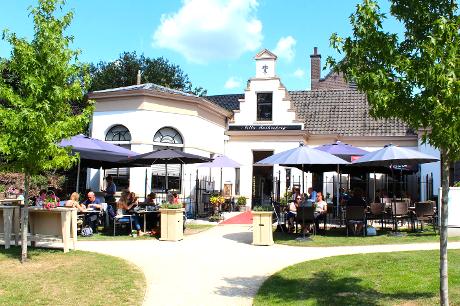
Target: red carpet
(243,218)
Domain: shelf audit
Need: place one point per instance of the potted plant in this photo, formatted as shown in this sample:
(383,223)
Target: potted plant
(262,233)
(241,201)
(216,201)
(172,222)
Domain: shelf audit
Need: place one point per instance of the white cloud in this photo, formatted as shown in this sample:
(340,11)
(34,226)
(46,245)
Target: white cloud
(204,30)
(232,83)
(299,73)
(285,48)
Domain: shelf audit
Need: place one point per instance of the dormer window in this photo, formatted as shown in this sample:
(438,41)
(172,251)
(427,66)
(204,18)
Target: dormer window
(264,106)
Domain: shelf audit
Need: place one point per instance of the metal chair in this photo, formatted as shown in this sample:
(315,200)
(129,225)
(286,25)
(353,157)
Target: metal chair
(120,219)
(378,212)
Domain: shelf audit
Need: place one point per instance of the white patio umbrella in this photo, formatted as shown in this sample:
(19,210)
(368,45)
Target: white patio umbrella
(220,161)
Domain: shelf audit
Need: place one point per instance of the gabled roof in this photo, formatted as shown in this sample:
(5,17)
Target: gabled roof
(146,86)
(229,102)
(265,54)
(332,112)
(342,112)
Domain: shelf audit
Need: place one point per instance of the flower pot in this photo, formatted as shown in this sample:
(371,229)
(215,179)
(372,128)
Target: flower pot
(172,223)
(262,231)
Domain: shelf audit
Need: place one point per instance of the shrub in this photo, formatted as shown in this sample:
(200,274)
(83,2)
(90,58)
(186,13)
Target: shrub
(214,218)
(241,200)
(262,208)
(171,206)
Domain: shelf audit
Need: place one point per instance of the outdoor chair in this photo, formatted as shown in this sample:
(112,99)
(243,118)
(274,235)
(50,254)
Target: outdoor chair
(305,216)
(378,212)
(355,215)
(121,219)
(399,212)
(424,212)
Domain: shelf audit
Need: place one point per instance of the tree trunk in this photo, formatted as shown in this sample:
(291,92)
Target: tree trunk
(25,219)
(443,277)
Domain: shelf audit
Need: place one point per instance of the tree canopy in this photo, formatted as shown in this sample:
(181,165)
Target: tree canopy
(43,77)
(413,77)
(123,72)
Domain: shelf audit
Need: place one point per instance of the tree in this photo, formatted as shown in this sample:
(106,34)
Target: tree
(413,77)
(35,110)
(123,72)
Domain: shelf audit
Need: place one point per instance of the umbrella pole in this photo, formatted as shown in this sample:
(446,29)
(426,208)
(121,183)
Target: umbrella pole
(78,175)
(166,178)
(374,187)
(145,186)
(221,181)
(303,180)
(337,200)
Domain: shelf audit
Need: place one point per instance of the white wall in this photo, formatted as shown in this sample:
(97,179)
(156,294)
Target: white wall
(427,169)
(200,137)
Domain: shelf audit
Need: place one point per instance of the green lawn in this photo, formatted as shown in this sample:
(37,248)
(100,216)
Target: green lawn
(51,277)
(400,278)
(337,237)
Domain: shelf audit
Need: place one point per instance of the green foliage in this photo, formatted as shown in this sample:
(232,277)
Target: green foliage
(35,112)
(241,200)
(457,184)
(38,182)
(171,206)
(123,72)
(413,77)
(262,208)
(2,188)
(214,218)
(217,200)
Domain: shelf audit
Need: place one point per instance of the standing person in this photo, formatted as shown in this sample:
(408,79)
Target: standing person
(110,190)
(320,209)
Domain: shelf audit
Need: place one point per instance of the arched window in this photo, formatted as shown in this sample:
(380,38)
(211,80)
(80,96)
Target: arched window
(119,135)
(167,177)
(168,135)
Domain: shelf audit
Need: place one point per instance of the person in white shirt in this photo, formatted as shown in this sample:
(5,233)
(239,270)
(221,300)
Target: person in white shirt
(320,209)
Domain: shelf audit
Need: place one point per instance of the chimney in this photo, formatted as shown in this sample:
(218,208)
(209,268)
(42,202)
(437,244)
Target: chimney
(315,69)
(138,82)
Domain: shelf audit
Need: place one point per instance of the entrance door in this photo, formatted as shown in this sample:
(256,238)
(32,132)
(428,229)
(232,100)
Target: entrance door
(262,179)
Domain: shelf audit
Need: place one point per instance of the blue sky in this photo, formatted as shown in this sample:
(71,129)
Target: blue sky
(213,41)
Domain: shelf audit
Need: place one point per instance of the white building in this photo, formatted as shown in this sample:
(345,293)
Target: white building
(265,119)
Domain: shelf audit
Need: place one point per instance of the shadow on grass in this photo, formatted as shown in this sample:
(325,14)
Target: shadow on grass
(323,288)
(242,237)
(15,252)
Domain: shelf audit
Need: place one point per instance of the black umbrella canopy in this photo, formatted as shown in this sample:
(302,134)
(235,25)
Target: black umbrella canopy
(103,159)
(166,156)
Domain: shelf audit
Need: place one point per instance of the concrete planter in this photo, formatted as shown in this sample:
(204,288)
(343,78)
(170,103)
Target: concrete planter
(262,232)
(454,211)
(172,223)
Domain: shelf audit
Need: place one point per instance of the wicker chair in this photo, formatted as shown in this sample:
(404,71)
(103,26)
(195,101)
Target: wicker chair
(356,215)
(399,212)
(424,212)
(378,212)
(305,215)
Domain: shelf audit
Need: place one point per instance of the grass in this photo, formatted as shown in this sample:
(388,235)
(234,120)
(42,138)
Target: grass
(193,228)
(400,278)
(52,277)
(337,237)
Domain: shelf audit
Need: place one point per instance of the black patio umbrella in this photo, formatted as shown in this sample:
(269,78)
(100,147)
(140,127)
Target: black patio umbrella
(166,156)
(391,156)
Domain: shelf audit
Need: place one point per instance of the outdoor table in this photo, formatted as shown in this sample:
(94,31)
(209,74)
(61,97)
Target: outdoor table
(10,224)
(11,202)
(144,213)
(56,224)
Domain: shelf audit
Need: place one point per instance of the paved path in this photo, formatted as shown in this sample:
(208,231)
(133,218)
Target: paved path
(218,266)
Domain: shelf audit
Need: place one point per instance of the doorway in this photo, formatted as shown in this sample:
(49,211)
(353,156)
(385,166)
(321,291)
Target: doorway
(262,179)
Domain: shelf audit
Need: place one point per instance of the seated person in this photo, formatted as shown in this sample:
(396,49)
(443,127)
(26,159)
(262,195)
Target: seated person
(124,206)
(320,209)
(292,212)
(21,194)
(312,194)
(41,198)
(151,198)
(74,203)
(92,218)
(92,201)
(356,200)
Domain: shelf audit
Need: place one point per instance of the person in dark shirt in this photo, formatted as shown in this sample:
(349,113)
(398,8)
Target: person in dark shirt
(357,200)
